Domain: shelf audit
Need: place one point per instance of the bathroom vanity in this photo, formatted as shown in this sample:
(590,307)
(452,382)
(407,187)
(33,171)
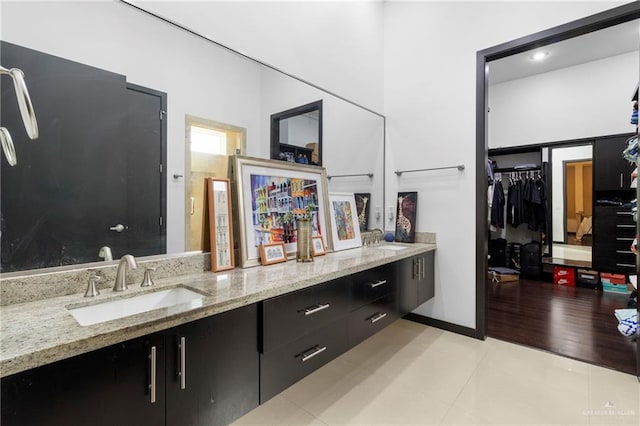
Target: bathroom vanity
(253,333)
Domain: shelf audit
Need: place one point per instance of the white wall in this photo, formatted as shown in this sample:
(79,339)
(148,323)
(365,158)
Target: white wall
(334,44)
(558,156)
(588,100)
(430,59)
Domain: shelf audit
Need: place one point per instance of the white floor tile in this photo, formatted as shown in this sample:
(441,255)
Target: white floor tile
(278,411)
(614,398)
(410,374)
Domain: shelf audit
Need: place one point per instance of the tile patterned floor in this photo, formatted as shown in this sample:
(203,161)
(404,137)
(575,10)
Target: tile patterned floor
(411,374)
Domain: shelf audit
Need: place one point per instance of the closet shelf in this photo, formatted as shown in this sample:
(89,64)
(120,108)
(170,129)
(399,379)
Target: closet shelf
(514,169)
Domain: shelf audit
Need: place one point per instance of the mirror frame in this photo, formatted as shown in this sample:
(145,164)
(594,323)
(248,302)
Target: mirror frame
(608,18)
(290,113)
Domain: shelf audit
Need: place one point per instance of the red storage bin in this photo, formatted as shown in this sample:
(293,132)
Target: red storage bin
(564,275)
(613,278)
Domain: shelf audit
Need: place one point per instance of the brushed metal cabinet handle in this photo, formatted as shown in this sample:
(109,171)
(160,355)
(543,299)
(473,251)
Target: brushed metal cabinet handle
(377,317)
(628,265)
(314,309)
(625,226)
(624,252)
(152,376)
(624,239)
(316,350)
(377,283)
(182,372)
(624,213)
(621,177)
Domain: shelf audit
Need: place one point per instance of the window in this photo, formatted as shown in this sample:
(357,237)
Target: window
(208,141)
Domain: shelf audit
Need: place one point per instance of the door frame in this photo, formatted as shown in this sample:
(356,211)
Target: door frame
(608,18)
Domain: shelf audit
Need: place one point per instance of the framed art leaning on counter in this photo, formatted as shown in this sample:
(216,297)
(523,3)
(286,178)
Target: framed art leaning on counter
(220,224)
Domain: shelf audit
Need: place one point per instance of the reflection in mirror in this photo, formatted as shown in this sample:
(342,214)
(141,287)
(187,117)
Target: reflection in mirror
(296,134)
(572,203)
(183,75)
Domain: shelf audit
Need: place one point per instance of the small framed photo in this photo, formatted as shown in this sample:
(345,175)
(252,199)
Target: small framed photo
(272,253)
(317,245)
(345,229)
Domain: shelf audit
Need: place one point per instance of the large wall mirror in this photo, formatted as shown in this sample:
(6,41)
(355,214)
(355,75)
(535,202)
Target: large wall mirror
(134,112)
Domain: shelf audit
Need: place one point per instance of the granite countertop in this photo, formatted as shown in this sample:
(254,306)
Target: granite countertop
(41,332)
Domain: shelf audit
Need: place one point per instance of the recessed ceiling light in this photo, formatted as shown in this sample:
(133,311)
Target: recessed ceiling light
(539,56)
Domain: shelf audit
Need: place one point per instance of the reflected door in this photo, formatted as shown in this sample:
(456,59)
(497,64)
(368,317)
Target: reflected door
(84,175)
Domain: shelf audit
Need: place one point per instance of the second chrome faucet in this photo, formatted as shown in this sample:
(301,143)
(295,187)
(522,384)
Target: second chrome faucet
(127,261)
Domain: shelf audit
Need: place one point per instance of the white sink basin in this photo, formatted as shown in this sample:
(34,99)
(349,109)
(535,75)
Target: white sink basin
(390,247)
(107,311)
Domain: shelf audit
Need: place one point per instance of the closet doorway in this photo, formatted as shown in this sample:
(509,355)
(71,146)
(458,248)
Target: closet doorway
(209,144)
(569,321)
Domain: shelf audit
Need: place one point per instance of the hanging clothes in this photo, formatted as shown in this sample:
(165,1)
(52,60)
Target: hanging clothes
(497,205)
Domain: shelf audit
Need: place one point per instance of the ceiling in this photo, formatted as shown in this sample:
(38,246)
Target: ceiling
(612,41)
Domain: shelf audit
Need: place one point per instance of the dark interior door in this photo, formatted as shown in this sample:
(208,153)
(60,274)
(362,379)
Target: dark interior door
(142,212)
(88,171)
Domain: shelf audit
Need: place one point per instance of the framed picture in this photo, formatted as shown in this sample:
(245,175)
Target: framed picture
(362,206)
(271,195)
(218,195)
(406,217)
(317,246)
(272,253)
(345,230)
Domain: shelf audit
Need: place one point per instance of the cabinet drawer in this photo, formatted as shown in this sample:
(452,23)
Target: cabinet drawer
(284,366)
(607,230)
(288,317)
(372,318)
(616,214)
(613,257)
(371,285)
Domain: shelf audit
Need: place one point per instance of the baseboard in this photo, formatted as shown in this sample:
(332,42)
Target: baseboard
(443,325)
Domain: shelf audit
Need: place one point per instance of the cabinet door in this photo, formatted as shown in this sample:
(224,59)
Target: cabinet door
(407,281)
(611,171)
(212,369)
(110,387)
(426,277)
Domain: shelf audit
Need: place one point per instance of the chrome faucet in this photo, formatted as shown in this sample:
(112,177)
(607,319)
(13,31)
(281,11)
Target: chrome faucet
(127,261)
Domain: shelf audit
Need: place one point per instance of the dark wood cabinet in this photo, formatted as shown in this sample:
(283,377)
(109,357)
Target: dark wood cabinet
(212,369)
(304,330)
(415,281)
(611,172)
(369,319)
(285,365)
(138,382)
(111,386)
(285,318)
(613,234)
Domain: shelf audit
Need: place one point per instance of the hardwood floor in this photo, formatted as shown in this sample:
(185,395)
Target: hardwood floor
(571,321)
